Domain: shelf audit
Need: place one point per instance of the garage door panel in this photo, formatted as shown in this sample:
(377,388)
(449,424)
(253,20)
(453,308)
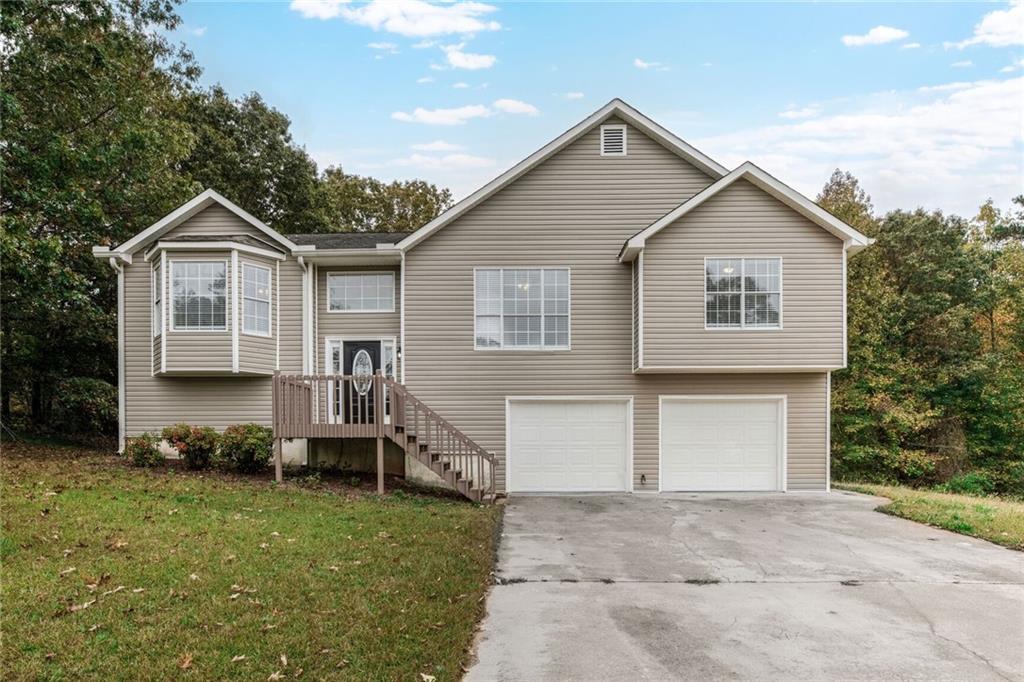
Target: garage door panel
(720,445)
(568,446)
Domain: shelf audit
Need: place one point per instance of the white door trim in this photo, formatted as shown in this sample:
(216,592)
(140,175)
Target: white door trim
(328,340)
(781,399)
(627,399)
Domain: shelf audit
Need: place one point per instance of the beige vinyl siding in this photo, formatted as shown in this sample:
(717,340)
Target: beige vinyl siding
(354,325)
(258,354)
(574,210)
(743,221)
(153,402)
(216,221)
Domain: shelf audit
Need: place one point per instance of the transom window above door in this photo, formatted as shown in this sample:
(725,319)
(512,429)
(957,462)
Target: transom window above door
(361,292)
(522,309)
(743,293)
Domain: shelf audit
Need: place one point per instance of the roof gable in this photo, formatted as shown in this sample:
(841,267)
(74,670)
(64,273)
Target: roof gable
(616,108)
(192,208)
(852,239)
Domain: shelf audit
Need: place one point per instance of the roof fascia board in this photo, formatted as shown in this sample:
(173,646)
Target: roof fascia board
(617,107)
(191,208)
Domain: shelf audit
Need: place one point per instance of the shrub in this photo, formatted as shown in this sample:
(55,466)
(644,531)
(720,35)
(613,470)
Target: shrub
(143,451)
(247,447)
(195,444)
(85,406)
(971,483)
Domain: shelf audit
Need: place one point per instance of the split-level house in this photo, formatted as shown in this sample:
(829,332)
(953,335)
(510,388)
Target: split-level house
(617,312)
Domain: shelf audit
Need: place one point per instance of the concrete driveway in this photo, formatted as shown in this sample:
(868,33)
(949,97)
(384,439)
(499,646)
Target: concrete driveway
(745,587)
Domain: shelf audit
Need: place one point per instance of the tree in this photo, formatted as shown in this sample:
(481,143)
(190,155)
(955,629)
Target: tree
(92,132)
(355,203)
(244,150)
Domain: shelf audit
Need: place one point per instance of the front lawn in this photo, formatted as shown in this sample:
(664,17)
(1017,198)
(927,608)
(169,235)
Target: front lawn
(989,518)
(111,572)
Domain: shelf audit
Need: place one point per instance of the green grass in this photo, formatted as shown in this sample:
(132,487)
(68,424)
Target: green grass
(111,572)
(989,518)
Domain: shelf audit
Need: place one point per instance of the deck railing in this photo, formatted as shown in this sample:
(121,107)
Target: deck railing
(333,406)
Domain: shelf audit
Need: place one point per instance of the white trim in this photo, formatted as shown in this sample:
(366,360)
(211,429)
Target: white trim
(235,279)
(305,314)
(828,432)
(743,295)
(328,340)
(213,246)
(613,126)
(163,313)
(640,317)
(634,296)
(354,273)
(190,209)
(228,297)
(783,402)
(615,107)
(121,383)
(269,301)
(845,342)
(277,318)
(314,283)
(526,349)
(400,352)
(628,399)
(852,239)
(726,369)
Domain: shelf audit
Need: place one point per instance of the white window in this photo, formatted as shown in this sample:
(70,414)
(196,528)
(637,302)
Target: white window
(199,295)
(362,292)
(158,301)
(743,293)
(613,140)
(255,299)
(522,308)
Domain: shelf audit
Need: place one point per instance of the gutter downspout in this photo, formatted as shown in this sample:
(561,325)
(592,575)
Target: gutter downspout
(305,314)
(119,269)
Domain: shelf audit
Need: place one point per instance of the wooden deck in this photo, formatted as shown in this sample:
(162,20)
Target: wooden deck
(347,406)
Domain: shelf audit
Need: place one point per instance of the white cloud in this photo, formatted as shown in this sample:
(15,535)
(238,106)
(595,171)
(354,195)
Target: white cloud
(876,36)
(1013,66)
(437,146)
(641,64)
(574,95)
(425,79)
(962,64)
(804,112)
(515,106)
(413,18)
(458,59)
(443,117)
(910,46)
(445,162)
(198,31)
(424,44)
(461,85)
(947,148)
(390,47)
(1001,28)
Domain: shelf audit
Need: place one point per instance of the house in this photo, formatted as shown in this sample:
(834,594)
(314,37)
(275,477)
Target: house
(617,312)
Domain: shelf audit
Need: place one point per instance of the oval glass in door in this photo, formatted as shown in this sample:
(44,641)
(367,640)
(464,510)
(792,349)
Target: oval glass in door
(362,371)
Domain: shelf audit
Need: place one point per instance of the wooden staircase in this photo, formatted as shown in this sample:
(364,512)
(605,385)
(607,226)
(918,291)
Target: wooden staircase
(344,406)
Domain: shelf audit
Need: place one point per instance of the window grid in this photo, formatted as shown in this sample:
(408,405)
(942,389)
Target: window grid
(199,296)
(743,293)
(521,308)
(365,292)
(255,299)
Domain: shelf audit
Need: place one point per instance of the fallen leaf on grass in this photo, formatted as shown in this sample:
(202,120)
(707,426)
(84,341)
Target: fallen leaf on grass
(81,607)
(185,662)
(333,568)
(95,627)
(236,659)
(137,590)
(68,570)
(264,545)
(236,595)
(284,660)
(427,678)
(116,545)
(113,591)
(193,576)
(276,675)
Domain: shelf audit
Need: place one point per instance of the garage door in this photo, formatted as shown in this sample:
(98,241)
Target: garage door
(722,443)
(567,445)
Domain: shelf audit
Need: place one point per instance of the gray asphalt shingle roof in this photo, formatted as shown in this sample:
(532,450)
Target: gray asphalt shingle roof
(347,240)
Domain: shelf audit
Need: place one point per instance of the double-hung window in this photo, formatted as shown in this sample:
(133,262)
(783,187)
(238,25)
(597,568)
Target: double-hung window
(199,295)
(158,301)
(361,292)
(522,308)
(743,293)
(255,299)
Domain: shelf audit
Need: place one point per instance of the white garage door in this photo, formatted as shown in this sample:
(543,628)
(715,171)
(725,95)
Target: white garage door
(721,444)
(567,445)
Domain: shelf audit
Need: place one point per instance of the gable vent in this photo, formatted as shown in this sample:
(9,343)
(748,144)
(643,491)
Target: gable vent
(613,140)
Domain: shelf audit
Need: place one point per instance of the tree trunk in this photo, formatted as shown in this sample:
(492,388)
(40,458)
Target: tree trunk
(37,402)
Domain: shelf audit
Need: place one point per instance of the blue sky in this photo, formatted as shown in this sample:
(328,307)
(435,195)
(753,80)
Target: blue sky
(923,102)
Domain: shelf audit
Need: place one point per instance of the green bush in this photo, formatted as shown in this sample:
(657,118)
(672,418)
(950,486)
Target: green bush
(197,445)
(143,451)
(247,447)
(85,406)
(971,483)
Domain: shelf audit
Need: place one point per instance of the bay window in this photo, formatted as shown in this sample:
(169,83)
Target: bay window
(199,295)
(255,300)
